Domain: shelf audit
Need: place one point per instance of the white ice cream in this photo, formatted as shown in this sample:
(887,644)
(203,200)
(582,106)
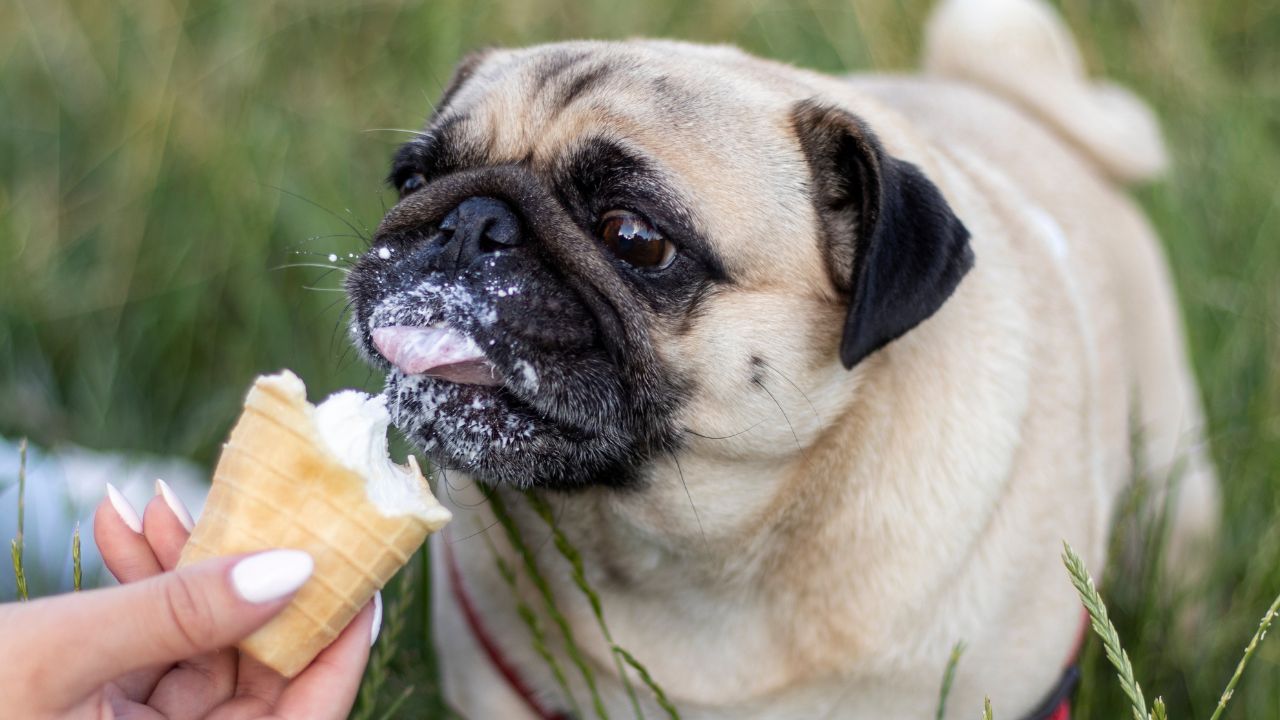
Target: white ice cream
(353,426)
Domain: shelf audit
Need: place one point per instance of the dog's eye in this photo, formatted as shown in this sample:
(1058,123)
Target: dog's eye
(412,184)
(635,240)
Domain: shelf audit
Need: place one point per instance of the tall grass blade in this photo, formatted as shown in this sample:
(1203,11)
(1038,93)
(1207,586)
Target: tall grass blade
(648,680)
(393,621)
(531,622)
(1103,626)
(948,678)
(570,553)
(16,544)
(986,709)
(76,564)
(1258,637)
(395,706)
(549,600)
(15,552)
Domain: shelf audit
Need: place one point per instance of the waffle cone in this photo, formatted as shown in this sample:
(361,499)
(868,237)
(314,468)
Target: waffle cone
(278,486)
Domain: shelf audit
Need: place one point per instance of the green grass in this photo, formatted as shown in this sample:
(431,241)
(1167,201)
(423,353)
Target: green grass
(620,655)
(166,166)
(16,545)
(948,677)
(1119,658)
(1105,630)
(377,698)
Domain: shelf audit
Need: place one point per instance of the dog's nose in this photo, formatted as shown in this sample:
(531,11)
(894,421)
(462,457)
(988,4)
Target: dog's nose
(478,226)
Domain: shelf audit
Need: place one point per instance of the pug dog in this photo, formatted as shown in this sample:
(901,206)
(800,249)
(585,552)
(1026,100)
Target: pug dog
(814,375)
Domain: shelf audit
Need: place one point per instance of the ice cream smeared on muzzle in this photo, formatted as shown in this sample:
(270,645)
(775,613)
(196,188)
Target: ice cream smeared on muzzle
(516,351)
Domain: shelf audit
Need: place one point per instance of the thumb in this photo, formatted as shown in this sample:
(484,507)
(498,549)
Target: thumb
(103,634)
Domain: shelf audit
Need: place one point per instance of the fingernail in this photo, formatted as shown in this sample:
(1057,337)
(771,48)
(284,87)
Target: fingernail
(271,575)
(122,507)
(377,618)
(175,504)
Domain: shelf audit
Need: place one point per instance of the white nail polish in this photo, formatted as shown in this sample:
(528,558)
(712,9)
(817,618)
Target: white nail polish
(377,618)
(124,509)
(175,504)
(271,575)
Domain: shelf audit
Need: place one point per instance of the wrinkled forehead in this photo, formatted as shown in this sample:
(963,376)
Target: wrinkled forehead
(658,96)
(712,123)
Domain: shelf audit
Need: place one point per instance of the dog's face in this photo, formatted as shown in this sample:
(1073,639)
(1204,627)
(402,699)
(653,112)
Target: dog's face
(606,252)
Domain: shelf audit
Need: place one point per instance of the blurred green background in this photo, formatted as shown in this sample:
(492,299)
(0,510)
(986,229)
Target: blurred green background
(170,171)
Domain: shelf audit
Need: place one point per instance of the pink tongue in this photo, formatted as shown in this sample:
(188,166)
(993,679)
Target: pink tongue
(439,352)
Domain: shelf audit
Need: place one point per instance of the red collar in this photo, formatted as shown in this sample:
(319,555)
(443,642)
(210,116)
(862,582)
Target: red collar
(1057,704)
(491,649)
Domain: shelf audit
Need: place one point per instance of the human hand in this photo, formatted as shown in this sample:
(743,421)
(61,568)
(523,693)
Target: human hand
(159,646)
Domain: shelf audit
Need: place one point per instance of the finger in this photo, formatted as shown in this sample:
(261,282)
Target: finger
(192,689)
(256,680)
(116,704)
(118,532)
(243,708)
(259,681)
(327,688)
(258,687)
(164,529)
(168,618)
(165,525)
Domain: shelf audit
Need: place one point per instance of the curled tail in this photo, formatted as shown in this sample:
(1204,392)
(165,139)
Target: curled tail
(1023,51)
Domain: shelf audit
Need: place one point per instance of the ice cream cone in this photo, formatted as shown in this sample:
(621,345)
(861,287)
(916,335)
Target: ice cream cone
(279,484)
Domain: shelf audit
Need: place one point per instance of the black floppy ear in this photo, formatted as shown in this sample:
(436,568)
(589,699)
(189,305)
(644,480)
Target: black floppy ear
(892,242)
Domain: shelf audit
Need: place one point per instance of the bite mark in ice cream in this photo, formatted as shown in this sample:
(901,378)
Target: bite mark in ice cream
(353,426)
